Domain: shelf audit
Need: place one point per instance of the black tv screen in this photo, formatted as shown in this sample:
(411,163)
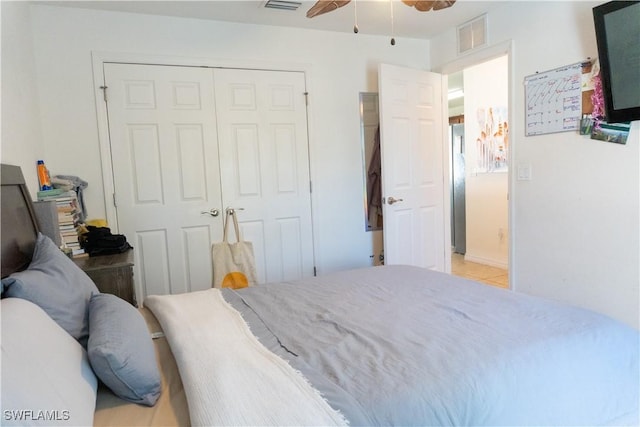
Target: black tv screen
(617,26)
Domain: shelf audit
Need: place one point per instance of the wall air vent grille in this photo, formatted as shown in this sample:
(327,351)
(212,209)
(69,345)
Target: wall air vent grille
(282,4)
(472,35)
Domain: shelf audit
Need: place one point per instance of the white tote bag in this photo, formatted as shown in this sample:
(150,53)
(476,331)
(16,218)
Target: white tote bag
(234,264)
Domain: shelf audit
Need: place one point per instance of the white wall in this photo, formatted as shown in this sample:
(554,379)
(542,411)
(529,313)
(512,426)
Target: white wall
(341,66)
(21,141)
(576,225)
(486,93)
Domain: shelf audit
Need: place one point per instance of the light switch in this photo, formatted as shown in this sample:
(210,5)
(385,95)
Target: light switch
(524,172)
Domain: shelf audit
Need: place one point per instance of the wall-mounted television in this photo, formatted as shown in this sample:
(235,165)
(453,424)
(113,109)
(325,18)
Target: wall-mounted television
(617,25)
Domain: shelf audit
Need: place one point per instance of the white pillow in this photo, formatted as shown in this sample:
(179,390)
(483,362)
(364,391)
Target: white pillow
(46,376)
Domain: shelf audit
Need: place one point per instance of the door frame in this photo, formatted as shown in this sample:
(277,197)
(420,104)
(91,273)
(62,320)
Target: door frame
(483,55)
(99,58)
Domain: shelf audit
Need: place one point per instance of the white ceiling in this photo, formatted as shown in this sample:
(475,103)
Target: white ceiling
(373,15)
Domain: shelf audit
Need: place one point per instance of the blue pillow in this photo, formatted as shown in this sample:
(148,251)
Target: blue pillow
(53,282)
(121,351)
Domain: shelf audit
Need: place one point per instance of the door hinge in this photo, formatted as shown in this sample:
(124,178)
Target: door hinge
(315,272)
(310,187)
(104,92)
(115,205)
(306,98)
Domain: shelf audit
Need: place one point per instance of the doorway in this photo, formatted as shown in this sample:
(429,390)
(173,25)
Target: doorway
(480,145)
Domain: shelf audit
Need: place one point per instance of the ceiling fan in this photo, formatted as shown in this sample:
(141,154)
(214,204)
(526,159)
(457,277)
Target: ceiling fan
(325,6)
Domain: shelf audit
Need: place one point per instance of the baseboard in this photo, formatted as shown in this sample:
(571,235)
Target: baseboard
(486,261)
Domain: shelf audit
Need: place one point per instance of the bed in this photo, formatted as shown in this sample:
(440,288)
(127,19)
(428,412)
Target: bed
(391,345)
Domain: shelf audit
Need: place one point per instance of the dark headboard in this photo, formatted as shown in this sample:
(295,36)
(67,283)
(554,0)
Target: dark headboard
(19,223)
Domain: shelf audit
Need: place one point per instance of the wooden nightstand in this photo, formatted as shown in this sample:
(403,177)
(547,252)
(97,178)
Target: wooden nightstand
(112,274)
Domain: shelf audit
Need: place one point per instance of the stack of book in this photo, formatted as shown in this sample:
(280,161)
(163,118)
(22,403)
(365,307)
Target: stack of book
(69,214)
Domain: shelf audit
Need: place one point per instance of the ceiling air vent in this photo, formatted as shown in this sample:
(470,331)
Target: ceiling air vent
(472,34)
(282,4)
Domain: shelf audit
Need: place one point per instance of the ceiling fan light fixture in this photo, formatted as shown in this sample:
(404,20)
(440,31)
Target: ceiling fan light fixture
(325,6)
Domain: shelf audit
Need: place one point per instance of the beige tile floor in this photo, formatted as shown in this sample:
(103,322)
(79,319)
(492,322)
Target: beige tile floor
(482,273)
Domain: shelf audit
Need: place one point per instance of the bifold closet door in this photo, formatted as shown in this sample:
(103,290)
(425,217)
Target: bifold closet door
(264,164)
(189,142)
(165,163)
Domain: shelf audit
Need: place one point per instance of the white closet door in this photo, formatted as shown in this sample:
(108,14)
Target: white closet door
(166,172)
(264,163)
(415,216)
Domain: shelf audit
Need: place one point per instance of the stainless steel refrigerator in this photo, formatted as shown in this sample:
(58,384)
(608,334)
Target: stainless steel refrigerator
(458,221)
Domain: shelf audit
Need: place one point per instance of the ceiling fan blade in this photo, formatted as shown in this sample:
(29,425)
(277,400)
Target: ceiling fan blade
(424,5)
(324,6)
(410,3)
(443,4)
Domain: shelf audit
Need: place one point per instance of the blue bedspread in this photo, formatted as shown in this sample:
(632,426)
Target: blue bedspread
(398,345)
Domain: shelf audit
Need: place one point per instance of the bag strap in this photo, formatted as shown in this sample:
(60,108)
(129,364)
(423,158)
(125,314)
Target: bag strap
(231,213)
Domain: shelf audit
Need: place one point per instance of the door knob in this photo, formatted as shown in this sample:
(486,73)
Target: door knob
(391,200)
(212,212)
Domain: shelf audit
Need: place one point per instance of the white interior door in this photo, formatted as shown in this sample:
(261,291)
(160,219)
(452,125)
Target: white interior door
(415,213)
(262,132)
(166,172)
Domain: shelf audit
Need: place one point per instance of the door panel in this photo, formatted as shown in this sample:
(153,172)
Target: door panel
(190,147)
(262,131)
(166,172)
(412,144)
(143,141)
(152,261)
